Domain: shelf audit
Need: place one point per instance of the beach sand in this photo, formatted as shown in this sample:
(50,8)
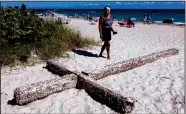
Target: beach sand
(158,86)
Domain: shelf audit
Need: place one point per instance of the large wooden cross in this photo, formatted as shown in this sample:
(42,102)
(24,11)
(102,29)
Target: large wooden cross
(69,79)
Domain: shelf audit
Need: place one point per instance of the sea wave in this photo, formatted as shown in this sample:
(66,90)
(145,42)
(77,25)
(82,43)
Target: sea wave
(178,23)
(133,19)
(92,11)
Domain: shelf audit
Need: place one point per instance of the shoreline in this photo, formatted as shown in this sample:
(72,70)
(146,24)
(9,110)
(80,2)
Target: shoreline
(56,15)
(139,22)
(169,24)
(157,14)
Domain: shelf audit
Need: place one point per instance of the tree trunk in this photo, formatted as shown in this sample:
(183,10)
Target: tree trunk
(57,69)
(26,94)
(105,96)
(131,64)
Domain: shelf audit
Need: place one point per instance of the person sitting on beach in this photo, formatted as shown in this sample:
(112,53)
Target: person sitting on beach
(129,22)
(93,19)
(96,19)
(148,19)
(90,18)
(105,29)
(122,22)
(145,19)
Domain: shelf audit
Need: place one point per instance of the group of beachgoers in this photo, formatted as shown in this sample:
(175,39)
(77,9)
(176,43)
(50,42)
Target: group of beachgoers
(127,22)
(146,19)
(105,28)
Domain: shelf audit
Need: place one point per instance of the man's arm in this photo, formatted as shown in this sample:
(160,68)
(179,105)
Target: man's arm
(112,21)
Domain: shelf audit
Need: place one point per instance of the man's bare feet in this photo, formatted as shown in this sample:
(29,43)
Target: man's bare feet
(108,58)
(115,32)
(101,56)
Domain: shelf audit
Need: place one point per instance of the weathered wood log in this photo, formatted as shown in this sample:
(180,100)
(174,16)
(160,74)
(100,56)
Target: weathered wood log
(1,64)
(26,94)
(130,64)
(105,96)
(57,69)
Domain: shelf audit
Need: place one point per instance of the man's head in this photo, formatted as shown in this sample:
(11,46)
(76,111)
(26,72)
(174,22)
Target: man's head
(107,10)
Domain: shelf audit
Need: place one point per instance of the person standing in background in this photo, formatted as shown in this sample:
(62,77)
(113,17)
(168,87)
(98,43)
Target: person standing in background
(148,19)
(88,17)
(144,19)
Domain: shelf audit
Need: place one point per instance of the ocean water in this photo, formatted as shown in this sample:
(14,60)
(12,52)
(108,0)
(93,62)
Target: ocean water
(156,14)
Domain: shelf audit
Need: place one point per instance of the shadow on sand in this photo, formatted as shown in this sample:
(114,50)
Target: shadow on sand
(12,102)
(84,53)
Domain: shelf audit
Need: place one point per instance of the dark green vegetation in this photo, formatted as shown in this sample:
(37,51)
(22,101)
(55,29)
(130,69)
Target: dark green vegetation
(168,21)
(23,33)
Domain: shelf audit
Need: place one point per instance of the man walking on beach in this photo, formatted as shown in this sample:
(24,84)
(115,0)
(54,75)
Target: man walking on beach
(105,28)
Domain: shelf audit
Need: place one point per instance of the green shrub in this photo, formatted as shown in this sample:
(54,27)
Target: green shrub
(167,21)
(22,33)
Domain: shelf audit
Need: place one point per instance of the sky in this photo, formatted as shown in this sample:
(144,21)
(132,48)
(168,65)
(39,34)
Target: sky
(98,5)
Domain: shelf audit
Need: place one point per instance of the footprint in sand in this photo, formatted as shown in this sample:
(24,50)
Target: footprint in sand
(143,88)
(114,80)
(87,109)
(121,87)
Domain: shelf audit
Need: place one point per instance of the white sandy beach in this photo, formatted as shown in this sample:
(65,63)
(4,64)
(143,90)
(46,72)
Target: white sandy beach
(158,86)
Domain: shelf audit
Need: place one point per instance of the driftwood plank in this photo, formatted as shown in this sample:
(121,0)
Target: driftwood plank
(105,96)
(57,69)
(130,64)
(26,94)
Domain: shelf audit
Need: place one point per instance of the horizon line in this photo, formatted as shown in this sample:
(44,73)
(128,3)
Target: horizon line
(102,8)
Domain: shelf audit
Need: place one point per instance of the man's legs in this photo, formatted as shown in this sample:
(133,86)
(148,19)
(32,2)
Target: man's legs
(107,46)
(102,49)
(108,49)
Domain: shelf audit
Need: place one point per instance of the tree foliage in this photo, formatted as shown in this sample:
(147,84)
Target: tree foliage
(168,21)
(17,25)
(22,32)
